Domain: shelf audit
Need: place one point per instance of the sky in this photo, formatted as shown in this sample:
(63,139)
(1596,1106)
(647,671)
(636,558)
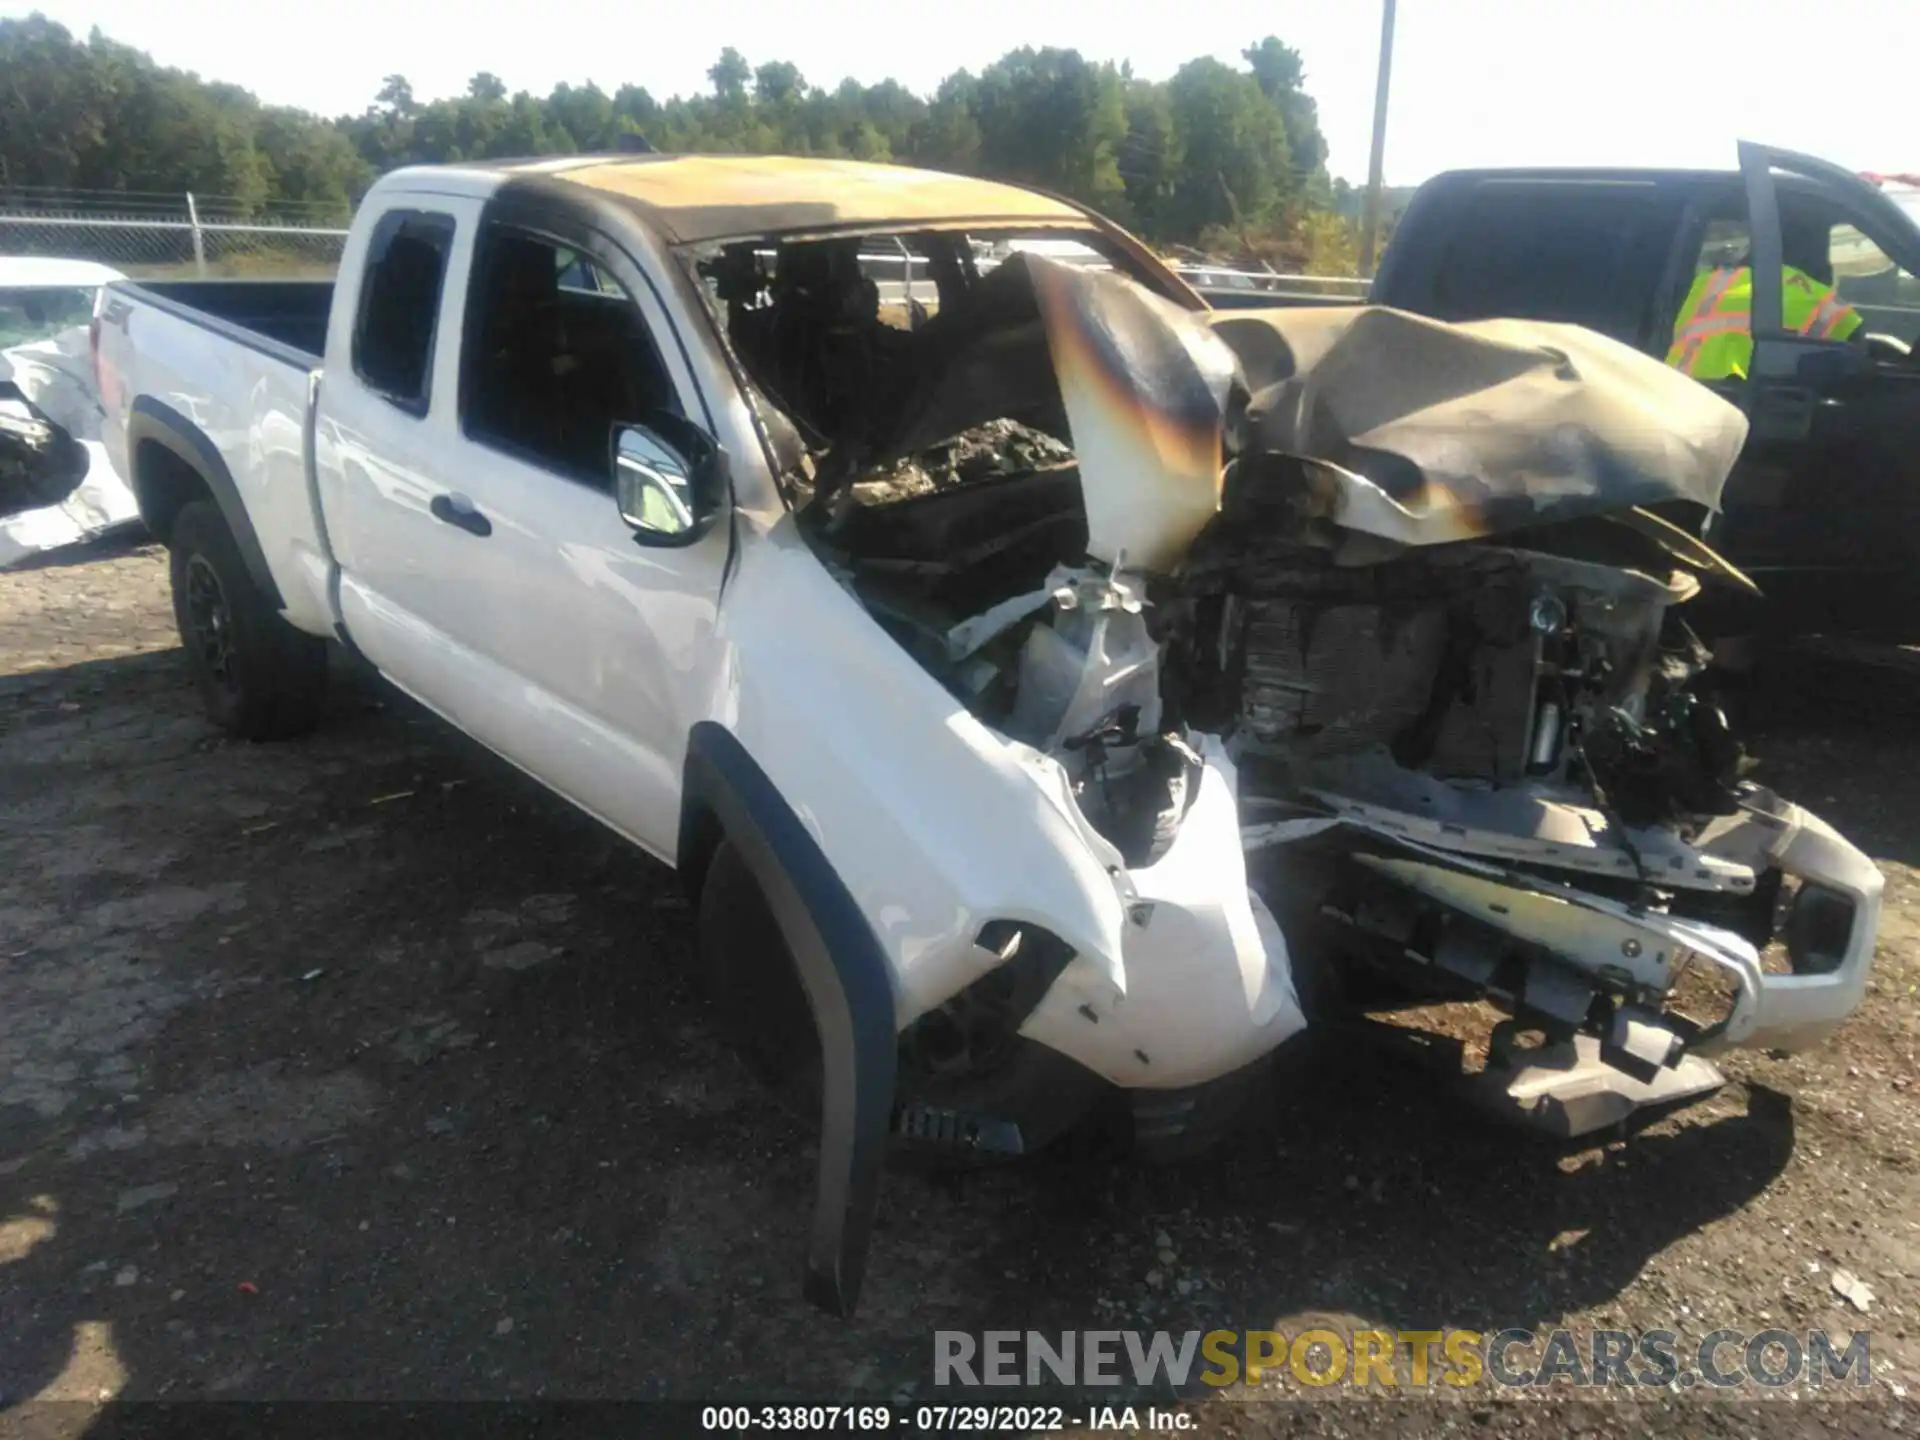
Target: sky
(1475,82)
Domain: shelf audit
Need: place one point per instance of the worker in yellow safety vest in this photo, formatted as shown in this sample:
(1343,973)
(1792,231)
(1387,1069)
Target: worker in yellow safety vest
(1713,337)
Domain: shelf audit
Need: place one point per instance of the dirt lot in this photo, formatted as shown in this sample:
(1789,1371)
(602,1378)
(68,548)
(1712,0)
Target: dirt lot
(358,1067)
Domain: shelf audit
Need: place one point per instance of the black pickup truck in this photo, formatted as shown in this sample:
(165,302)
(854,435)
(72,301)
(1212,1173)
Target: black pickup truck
(1824,508)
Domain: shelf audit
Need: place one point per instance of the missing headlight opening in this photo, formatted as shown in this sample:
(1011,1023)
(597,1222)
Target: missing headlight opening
(1355,643)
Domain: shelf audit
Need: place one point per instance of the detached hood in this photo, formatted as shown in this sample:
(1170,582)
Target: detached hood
(1435,432)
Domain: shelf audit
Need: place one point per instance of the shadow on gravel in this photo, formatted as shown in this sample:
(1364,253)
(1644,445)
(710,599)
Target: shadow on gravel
(361,1068)
(1373,1199)
(118,542)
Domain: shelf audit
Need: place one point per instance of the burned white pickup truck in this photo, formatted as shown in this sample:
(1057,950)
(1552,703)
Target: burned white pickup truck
(1060,696)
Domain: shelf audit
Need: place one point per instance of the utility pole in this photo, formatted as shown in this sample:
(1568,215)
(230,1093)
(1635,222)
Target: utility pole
(1370,215)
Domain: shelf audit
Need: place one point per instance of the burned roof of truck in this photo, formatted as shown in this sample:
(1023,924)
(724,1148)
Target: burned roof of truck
(697,198)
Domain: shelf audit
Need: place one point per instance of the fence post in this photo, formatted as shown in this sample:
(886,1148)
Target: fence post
(199,241)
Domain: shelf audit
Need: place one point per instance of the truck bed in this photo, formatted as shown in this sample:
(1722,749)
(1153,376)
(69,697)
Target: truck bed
(291,314)
(218,376)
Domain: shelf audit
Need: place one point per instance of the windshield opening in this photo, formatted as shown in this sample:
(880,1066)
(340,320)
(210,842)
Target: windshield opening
(899,364)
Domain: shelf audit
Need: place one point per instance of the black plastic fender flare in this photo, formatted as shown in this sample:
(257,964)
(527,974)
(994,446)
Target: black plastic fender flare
(849,991)
(152,421)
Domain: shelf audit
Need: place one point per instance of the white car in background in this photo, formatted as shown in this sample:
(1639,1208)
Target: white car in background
(46,308)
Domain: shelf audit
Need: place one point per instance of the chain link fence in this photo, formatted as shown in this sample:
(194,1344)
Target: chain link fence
(168,237)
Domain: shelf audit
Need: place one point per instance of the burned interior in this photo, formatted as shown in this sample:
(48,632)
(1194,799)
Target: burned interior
(1412,579)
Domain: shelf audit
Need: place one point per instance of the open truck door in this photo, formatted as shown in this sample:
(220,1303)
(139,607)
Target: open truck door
(1825,510)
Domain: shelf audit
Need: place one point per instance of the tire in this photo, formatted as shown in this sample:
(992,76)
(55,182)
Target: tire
(1173,1127)
(259,678)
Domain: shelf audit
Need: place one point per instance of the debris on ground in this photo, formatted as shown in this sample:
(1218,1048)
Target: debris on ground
(1853,1290)
(144,1195)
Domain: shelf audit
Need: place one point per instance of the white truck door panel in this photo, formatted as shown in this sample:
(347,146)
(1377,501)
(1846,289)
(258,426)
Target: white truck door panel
(489,566)
(596,642)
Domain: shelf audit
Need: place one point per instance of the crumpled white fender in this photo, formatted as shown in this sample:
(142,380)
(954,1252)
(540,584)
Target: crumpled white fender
(1206,986)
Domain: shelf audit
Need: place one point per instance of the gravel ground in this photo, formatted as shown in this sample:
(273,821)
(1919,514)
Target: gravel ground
(359,1067)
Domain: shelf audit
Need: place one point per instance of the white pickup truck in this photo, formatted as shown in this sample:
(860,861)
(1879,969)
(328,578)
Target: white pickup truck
(1057,693)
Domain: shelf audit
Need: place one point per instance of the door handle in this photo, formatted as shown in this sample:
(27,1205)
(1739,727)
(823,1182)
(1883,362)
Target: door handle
(458,510)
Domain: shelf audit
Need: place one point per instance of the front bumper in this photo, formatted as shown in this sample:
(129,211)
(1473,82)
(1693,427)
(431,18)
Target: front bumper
(1584,943)
(1793,1012)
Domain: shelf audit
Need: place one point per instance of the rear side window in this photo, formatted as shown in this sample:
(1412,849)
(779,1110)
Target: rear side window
(400,305)
(1586,256)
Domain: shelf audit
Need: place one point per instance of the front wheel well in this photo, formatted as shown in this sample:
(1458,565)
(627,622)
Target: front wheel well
(843,972)
(700,835)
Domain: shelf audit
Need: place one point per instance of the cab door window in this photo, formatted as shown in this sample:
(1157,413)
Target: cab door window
(556,356)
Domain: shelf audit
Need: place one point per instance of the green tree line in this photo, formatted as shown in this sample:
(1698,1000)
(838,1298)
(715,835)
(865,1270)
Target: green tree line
(1218,155)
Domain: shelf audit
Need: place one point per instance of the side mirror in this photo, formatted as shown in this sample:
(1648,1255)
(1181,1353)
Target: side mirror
(669,476)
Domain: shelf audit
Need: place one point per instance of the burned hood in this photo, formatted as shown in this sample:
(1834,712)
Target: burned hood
(1427,432)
